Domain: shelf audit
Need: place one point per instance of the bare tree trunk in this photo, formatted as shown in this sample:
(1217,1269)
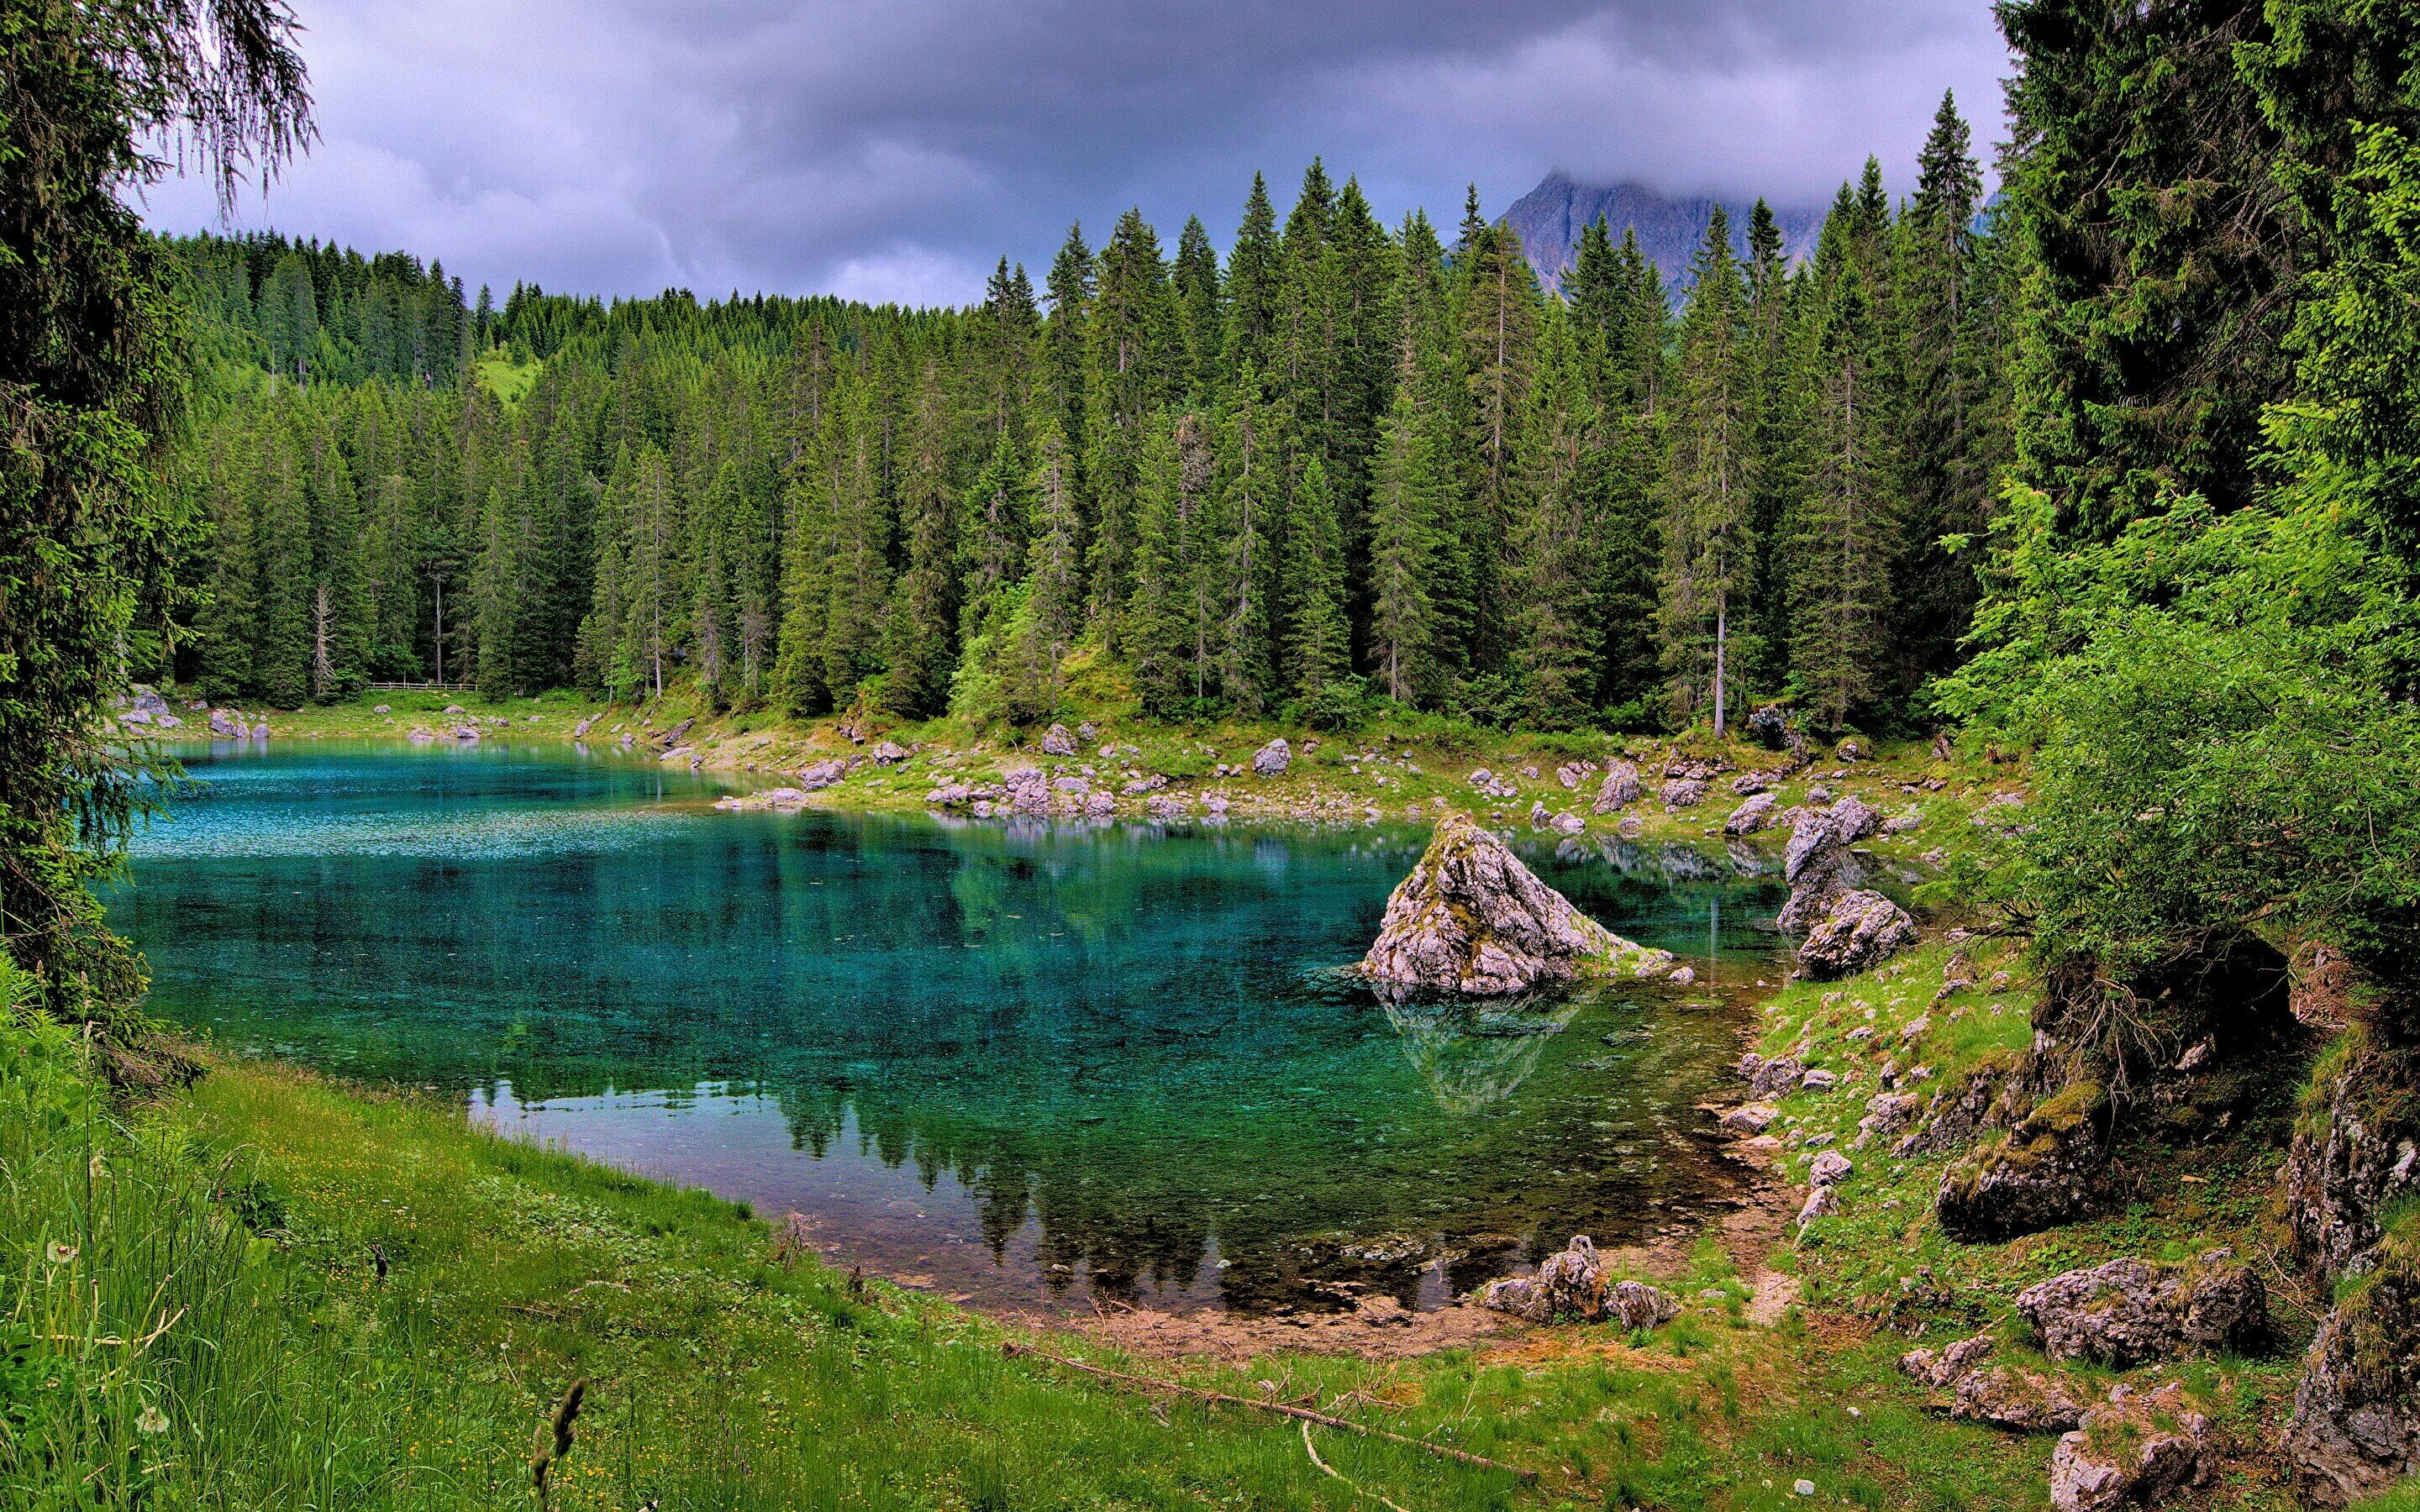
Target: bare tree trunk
(323,665)
(1722,636)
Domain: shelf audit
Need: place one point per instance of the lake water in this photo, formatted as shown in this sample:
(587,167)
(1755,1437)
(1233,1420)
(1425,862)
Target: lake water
(1022,1064)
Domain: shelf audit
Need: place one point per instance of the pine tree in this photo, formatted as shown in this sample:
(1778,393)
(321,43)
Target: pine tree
(1844,529)
(1133,346)
(1251,506)
(1706,540)
(1555,537)
(1318,649)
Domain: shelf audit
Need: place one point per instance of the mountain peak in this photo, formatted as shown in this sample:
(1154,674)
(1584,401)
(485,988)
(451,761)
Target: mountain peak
(1551,217)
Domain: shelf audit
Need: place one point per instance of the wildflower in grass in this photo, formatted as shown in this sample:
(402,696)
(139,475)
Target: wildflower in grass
(60,1253)
(153,1421)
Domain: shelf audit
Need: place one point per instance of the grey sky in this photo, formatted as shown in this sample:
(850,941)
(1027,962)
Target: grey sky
(891,151)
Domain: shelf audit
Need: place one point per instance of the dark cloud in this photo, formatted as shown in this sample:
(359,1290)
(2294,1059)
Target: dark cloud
(892,150)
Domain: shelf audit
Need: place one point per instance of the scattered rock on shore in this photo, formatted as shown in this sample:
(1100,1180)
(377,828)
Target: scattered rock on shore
(1273,758)
(1861,930)
(2135,1448)
(2130,1311)
(1750,816)
(1818,864)
(1619,788)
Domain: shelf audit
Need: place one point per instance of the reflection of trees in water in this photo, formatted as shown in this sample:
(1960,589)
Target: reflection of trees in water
(1474,1056)
(1094,1029)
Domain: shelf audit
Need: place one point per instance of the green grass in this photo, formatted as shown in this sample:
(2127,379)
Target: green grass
(1424,760)
(214,1331)
(511,382)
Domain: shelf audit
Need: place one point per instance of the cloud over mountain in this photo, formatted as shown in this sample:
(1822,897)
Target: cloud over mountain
(893,151)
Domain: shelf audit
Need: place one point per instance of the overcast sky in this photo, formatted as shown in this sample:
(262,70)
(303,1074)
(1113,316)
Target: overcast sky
(892,150)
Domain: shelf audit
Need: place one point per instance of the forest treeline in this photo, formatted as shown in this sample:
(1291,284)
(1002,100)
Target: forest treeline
(1344,463)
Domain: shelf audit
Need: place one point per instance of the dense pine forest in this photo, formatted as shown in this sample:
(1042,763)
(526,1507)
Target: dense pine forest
(1343,464)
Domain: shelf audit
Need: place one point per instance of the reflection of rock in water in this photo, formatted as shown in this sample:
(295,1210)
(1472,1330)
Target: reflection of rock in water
(1475,1056)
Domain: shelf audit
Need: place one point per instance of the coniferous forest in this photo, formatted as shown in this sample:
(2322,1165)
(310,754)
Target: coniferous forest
(1346,463)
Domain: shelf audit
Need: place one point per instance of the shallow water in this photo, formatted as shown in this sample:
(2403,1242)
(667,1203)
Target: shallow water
(1022,1064)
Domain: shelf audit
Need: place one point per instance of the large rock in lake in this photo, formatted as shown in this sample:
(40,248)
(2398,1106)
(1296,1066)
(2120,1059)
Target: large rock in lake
(1818,866)
(1472,919)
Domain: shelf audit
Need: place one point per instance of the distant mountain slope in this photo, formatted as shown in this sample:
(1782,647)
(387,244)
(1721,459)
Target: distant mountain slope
(1551,217)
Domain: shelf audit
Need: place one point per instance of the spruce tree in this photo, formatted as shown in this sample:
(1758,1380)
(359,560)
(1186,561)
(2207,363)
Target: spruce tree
(1132,360)
(1555,538)
(1318,649)
(1251,506)
(1404,542)
(1500,303)
(1708,542)
(1251,286)
(921,638)
(1945,397)
(1844,529)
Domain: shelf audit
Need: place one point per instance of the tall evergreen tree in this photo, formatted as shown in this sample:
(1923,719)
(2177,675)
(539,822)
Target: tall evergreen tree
(1708,544)
(1318,645)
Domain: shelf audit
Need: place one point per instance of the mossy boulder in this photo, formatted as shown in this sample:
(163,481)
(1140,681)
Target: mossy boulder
(2042,1173)
(2356,1429)
(2355,1150)
(2130,1311)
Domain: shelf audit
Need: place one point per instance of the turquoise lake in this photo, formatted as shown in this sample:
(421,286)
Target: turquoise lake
(1025,1065)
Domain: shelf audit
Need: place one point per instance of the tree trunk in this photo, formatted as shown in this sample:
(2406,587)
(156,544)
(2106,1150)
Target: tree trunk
(1722,636)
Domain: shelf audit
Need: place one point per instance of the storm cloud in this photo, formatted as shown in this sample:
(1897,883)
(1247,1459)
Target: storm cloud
(892,151)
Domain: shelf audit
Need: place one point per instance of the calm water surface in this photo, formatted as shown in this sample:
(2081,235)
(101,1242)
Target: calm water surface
(1021,1064)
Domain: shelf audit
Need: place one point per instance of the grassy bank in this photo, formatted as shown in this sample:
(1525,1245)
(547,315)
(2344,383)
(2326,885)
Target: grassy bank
(276,1291)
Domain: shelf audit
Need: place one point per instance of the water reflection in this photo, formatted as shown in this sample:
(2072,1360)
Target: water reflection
(1026,1063)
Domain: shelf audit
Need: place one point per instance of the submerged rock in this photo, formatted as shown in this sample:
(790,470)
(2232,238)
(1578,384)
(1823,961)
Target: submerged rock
(1861,930)
(2130,1311)
(782,798)
(1472,919)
